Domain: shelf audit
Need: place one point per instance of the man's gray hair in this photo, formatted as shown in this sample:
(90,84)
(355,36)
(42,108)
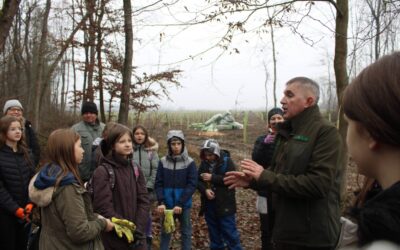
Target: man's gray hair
(308,83)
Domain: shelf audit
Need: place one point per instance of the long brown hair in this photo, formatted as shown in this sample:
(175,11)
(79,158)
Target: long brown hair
(5,123)
(61,151)
(372,99)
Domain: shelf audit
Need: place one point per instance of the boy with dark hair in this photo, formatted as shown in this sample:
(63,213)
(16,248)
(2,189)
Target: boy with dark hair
(218,202)
(176,181)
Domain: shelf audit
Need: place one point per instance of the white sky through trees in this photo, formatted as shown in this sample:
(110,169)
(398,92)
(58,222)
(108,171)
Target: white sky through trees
(233,81)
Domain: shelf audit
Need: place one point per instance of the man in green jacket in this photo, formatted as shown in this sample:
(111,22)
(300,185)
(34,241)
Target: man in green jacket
(305,175)
(90,129)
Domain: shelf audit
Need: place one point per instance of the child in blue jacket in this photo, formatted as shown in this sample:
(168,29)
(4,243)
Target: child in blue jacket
(176,181)
(218,202)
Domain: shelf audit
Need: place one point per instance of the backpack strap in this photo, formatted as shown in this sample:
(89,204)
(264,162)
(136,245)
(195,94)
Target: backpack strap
(135,167)
(225,165)
(111,173)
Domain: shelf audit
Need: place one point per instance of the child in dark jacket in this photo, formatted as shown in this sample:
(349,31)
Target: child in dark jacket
(218,202)
(175,184)
(16,169)
(124,198)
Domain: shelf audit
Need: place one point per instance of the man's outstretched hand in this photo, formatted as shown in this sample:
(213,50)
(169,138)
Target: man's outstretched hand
(236,179)
(251,168)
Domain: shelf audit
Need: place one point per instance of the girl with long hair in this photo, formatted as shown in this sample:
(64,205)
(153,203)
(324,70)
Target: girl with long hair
(67,217)
(146,156)
(371,105)
(16,169)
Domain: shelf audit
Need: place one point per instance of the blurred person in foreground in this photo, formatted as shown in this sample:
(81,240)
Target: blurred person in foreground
(371,106)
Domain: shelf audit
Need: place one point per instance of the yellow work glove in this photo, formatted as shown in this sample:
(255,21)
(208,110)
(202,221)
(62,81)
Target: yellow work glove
(124,227)
(169,222)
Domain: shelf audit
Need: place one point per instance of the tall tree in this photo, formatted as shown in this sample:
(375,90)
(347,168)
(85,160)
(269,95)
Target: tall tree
(127,70)
(340,60)
(91,7)
(7,14)
(40,64)
(99,47)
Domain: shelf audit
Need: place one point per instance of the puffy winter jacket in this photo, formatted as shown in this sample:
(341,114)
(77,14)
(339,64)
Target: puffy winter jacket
(147,159)
(15,173)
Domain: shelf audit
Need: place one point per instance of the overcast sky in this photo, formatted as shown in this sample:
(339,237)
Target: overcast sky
(233,81)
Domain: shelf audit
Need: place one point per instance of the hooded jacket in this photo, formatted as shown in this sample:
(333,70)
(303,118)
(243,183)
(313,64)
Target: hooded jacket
(147,159)
(67,217)
(224,197)
(127,200)
(176,179)
(15,173)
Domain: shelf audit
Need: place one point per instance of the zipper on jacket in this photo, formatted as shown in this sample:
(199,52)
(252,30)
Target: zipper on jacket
(140,155)
(174,185)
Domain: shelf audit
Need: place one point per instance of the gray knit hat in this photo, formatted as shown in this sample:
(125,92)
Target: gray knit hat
(12,103)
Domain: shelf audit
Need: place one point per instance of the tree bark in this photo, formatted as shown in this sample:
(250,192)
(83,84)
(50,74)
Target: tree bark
(7,14)
(90,6)
(342,80)
(39,68)
(127,70)
(340,60)
(99,46)
(273,58)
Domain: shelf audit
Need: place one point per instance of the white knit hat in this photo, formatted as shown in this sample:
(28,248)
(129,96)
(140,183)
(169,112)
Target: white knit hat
(12,103)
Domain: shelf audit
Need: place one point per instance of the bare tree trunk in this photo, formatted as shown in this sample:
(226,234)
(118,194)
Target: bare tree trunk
(28,59)
(127,71)
(273,56)
(66,90)
(39,69)
(74,101)
(340,66)
(90,5)
(340,60)
(99,47)
(63,83)
(266,86)
(16,44)
(7,13)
